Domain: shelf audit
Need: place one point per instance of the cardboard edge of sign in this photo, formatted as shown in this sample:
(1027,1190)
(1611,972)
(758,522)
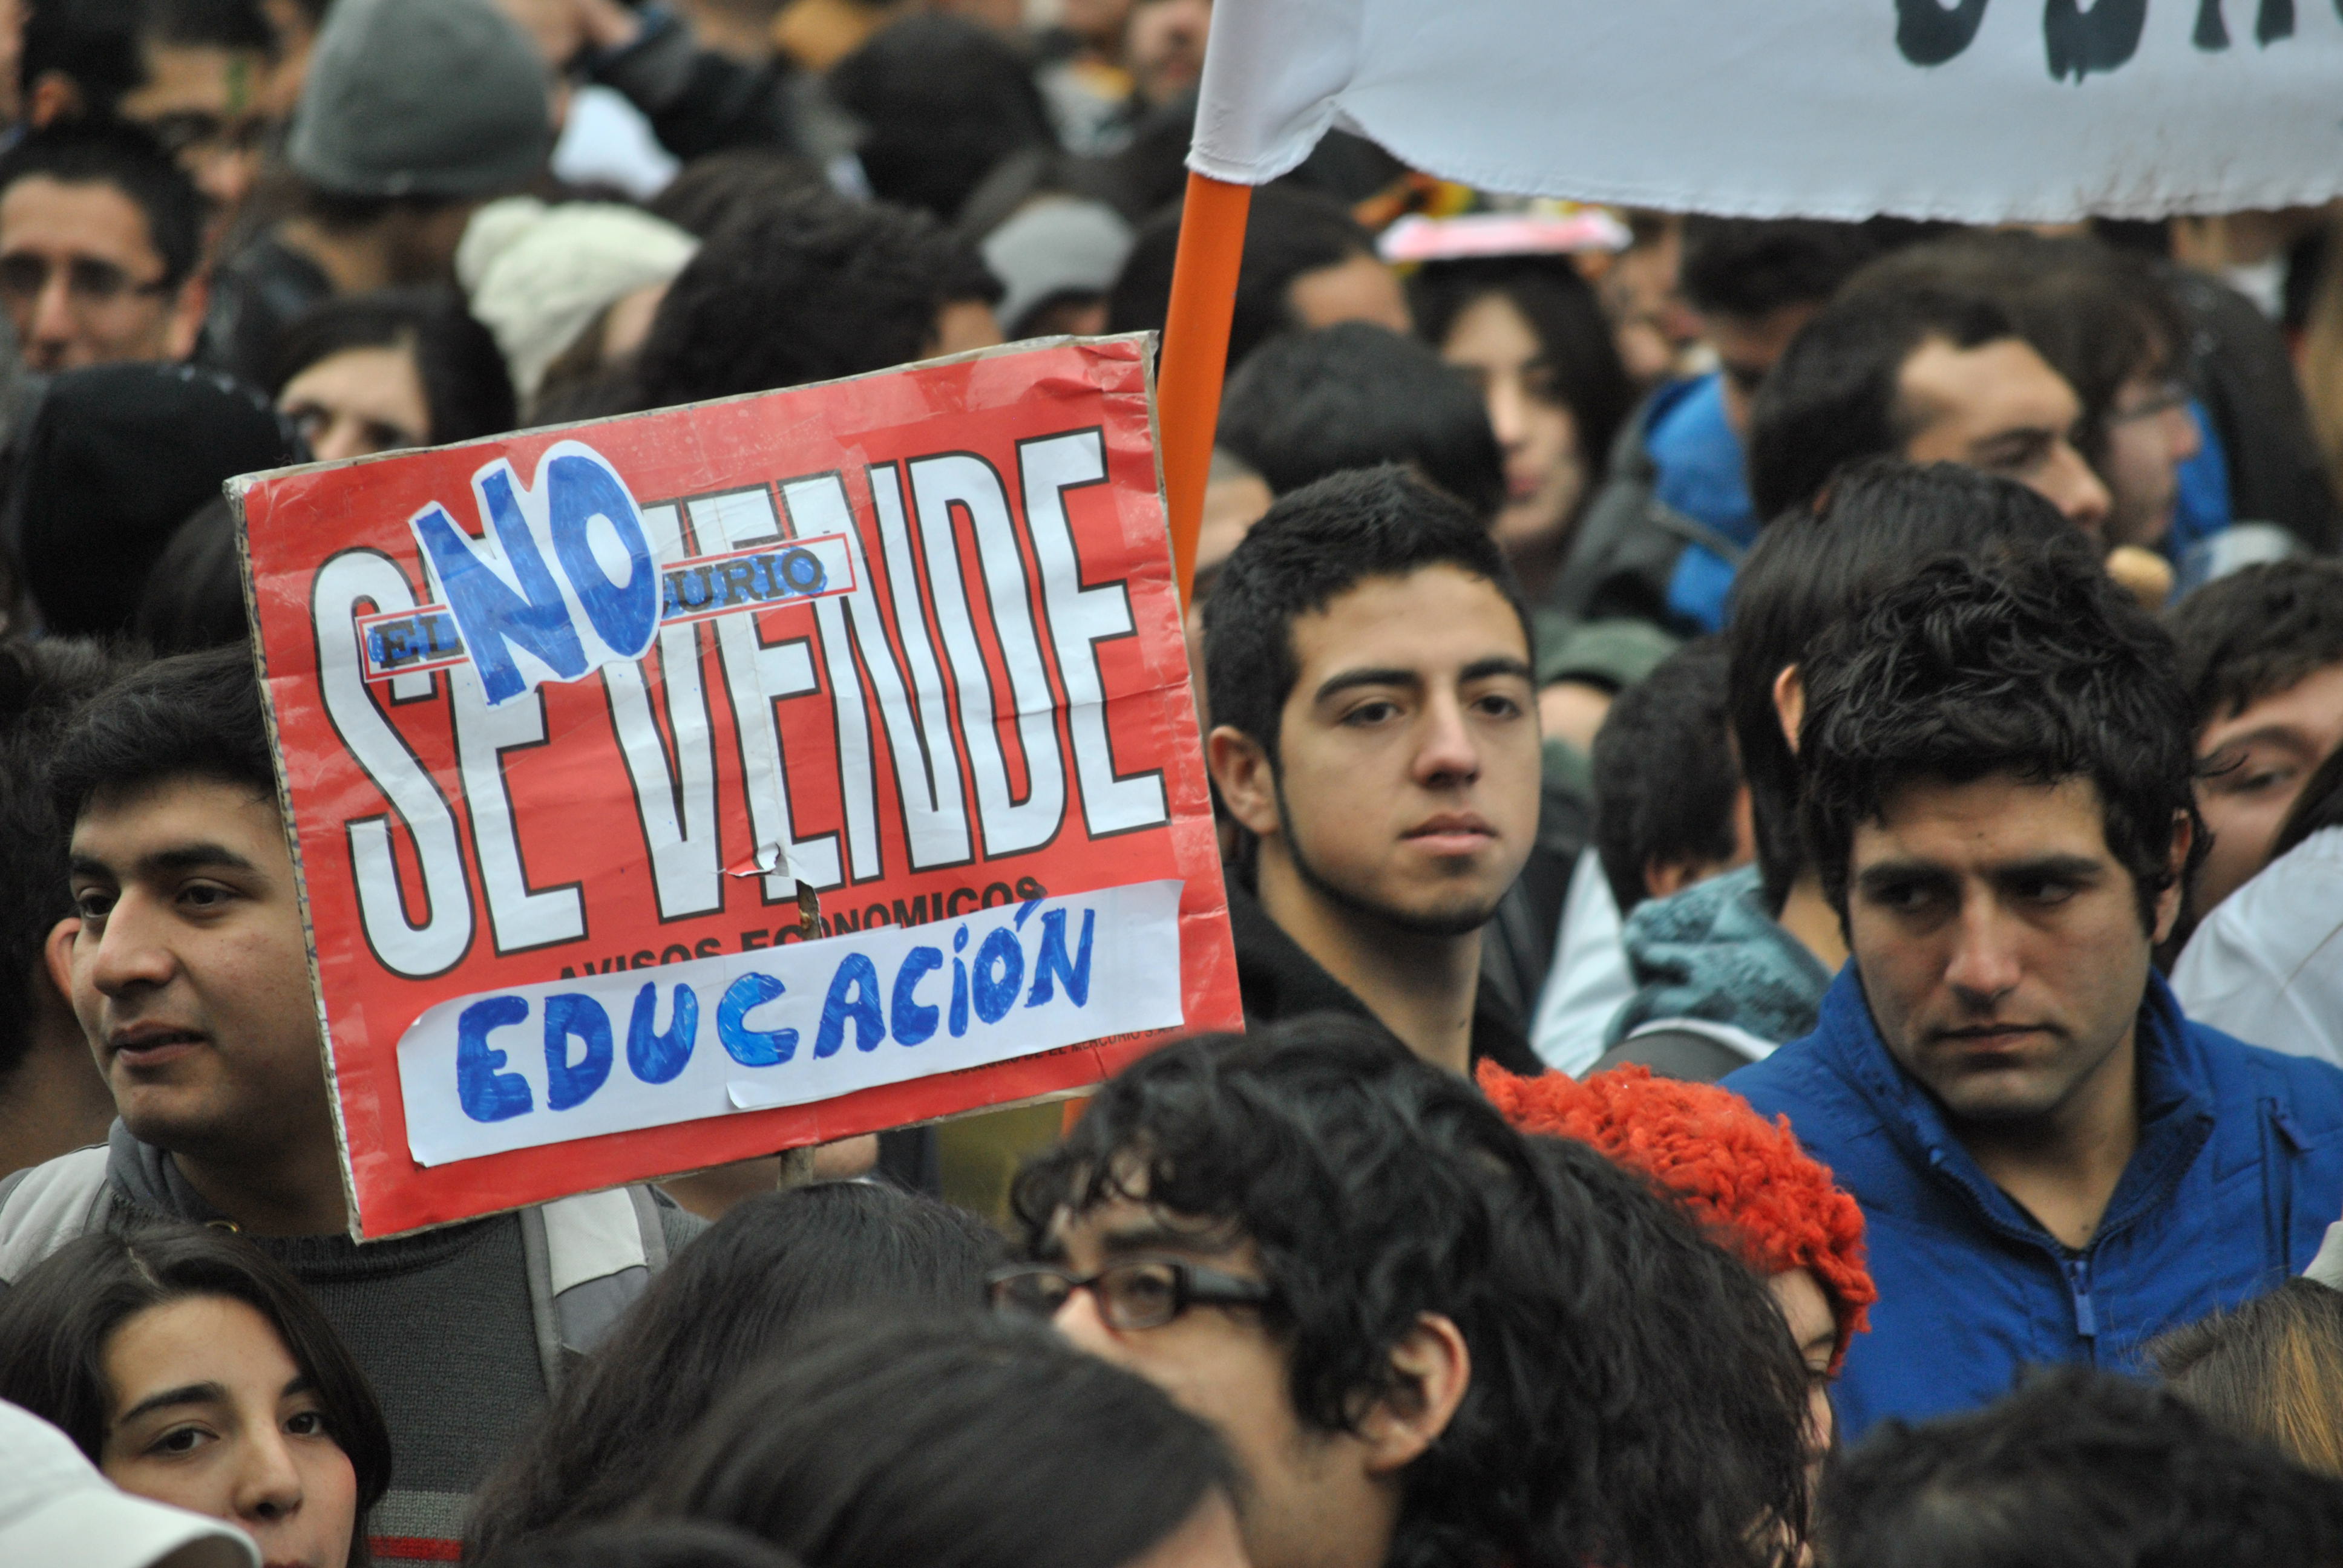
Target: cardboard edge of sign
(236,489)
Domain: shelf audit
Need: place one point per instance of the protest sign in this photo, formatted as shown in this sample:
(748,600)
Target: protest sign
(1975,110)
(685,787)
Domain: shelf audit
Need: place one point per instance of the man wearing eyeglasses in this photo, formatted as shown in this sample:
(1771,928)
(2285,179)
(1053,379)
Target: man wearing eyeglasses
(1403,1327)
(100,234)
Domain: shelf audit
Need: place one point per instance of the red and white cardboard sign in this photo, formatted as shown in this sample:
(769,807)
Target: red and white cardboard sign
(565,721)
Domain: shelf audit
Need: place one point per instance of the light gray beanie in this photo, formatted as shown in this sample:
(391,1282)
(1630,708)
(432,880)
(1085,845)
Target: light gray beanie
(421,97)
(537,276)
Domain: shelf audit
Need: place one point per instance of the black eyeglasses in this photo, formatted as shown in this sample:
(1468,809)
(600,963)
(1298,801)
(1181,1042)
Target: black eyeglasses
(1143,1293)
(88,281)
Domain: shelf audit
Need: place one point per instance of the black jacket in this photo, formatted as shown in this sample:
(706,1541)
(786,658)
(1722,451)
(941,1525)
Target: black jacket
(1278,981)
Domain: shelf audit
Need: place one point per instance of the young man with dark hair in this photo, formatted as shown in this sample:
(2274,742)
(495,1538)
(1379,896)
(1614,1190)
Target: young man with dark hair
(1660,540)
(412,114)
(1669,806)
(2077,1467)
(1425,1338)
(1729,968)
(2261,657)
(2105,323)
(191,72)
(186,963)
(1307,263)
(1353,396)
(51,1098)
(101,240)
(1376,740)
(1926,374)
(2055,1164)
(809,289)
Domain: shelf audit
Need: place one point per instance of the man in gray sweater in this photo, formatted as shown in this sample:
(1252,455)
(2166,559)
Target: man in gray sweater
(186,963)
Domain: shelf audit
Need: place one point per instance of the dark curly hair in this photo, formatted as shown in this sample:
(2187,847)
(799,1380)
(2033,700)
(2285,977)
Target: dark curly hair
(974,1441)
(2256,632)
(809,288)
(2021,665)
(1633,1400)
(2080,1468)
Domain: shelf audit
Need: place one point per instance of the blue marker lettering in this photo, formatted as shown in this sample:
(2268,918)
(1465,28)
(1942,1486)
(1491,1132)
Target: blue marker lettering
(859,976)
(959,985)
(493,618)
(914,1024)
(1076,974)
(581,490)
(999,969)
(485,1093)
(658,1057)
(749,1047)
(567,1015)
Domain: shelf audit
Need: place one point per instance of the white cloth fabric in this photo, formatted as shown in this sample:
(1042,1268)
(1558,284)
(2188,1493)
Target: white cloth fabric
(537,276)
(1589,981)
(2267,965)
(55,1508)
(1829,108)
(605,140)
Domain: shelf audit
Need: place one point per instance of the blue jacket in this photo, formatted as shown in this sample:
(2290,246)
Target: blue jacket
(2238,1171)
(1700,462)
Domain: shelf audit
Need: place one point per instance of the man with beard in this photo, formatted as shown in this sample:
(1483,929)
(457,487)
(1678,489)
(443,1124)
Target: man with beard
(1376,742)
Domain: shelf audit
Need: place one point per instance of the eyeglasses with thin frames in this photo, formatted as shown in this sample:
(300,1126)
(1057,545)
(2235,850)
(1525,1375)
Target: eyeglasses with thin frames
(1137,1294)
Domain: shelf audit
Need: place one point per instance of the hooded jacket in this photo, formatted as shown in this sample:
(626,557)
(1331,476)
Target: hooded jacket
(1714,953)
(2237,1173)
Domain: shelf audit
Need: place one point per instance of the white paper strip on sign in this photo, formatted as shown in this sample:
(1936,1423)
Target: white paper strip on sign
(573,1058)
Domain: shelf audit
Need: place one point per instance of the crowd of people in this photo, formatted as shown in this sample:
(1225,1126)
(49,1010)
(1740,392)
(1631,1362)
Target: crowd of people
(1780,786)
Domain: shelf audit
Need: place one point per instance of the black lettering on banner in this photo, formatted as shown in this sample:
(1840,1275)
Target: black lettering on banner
(916,914)
(643,961)
(2272,21)
(875,916)
(2079,42)
(676,954)
(707,947)
(951,911)
(751,941)
(1930,32)
(1007,895)
(1029,888)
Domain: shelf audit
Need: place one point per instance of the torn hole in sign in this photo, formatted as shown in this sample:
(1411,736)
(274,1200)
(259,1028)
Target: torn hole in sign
(779,857)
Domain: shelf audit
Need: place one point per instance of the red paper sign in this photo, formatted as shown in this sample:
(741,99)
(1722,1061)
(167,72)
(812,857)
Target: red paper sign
(565,721)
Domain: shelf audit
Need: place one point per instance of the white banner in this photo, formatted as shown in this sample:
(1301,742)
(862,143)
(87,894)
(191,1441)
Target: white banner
(788,1025)
(1977,110)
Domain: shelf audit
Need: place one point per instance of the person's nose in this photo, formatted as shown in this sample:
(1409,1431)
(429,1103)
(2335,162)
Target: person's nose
(1078,1318)
(131,952)
(267,1481)
(2188,440)
(53,320)
(2068,483)
(1446,751)
(1985,965)
(1505,410)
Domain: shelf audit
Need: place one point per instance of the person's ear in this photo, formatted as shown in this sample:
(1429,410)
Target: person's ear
(1435,1368)
(2167,903)
(186,323)
(1664,878)
(1246,778)
(57,953)
(56,98)
(1790,704)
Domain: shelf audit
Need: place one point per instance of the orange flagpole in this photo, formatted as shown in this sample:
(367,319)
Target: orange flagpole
(1195,353)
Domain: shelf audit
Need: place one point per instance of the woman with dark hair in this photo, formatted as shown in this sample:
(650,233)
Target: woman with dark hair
(397,367)
(958,1442)
(194,1371)
(734,1295)
(1531,332)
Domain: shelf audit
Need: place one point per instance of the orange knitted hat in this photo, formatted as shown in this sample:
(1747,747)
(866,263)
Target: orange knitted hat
(1746,1178)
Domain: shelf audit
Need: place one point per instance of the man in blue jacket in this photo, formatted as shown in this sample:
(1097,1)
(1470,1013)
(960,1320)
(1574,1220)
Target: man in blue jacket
(2054,1164)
